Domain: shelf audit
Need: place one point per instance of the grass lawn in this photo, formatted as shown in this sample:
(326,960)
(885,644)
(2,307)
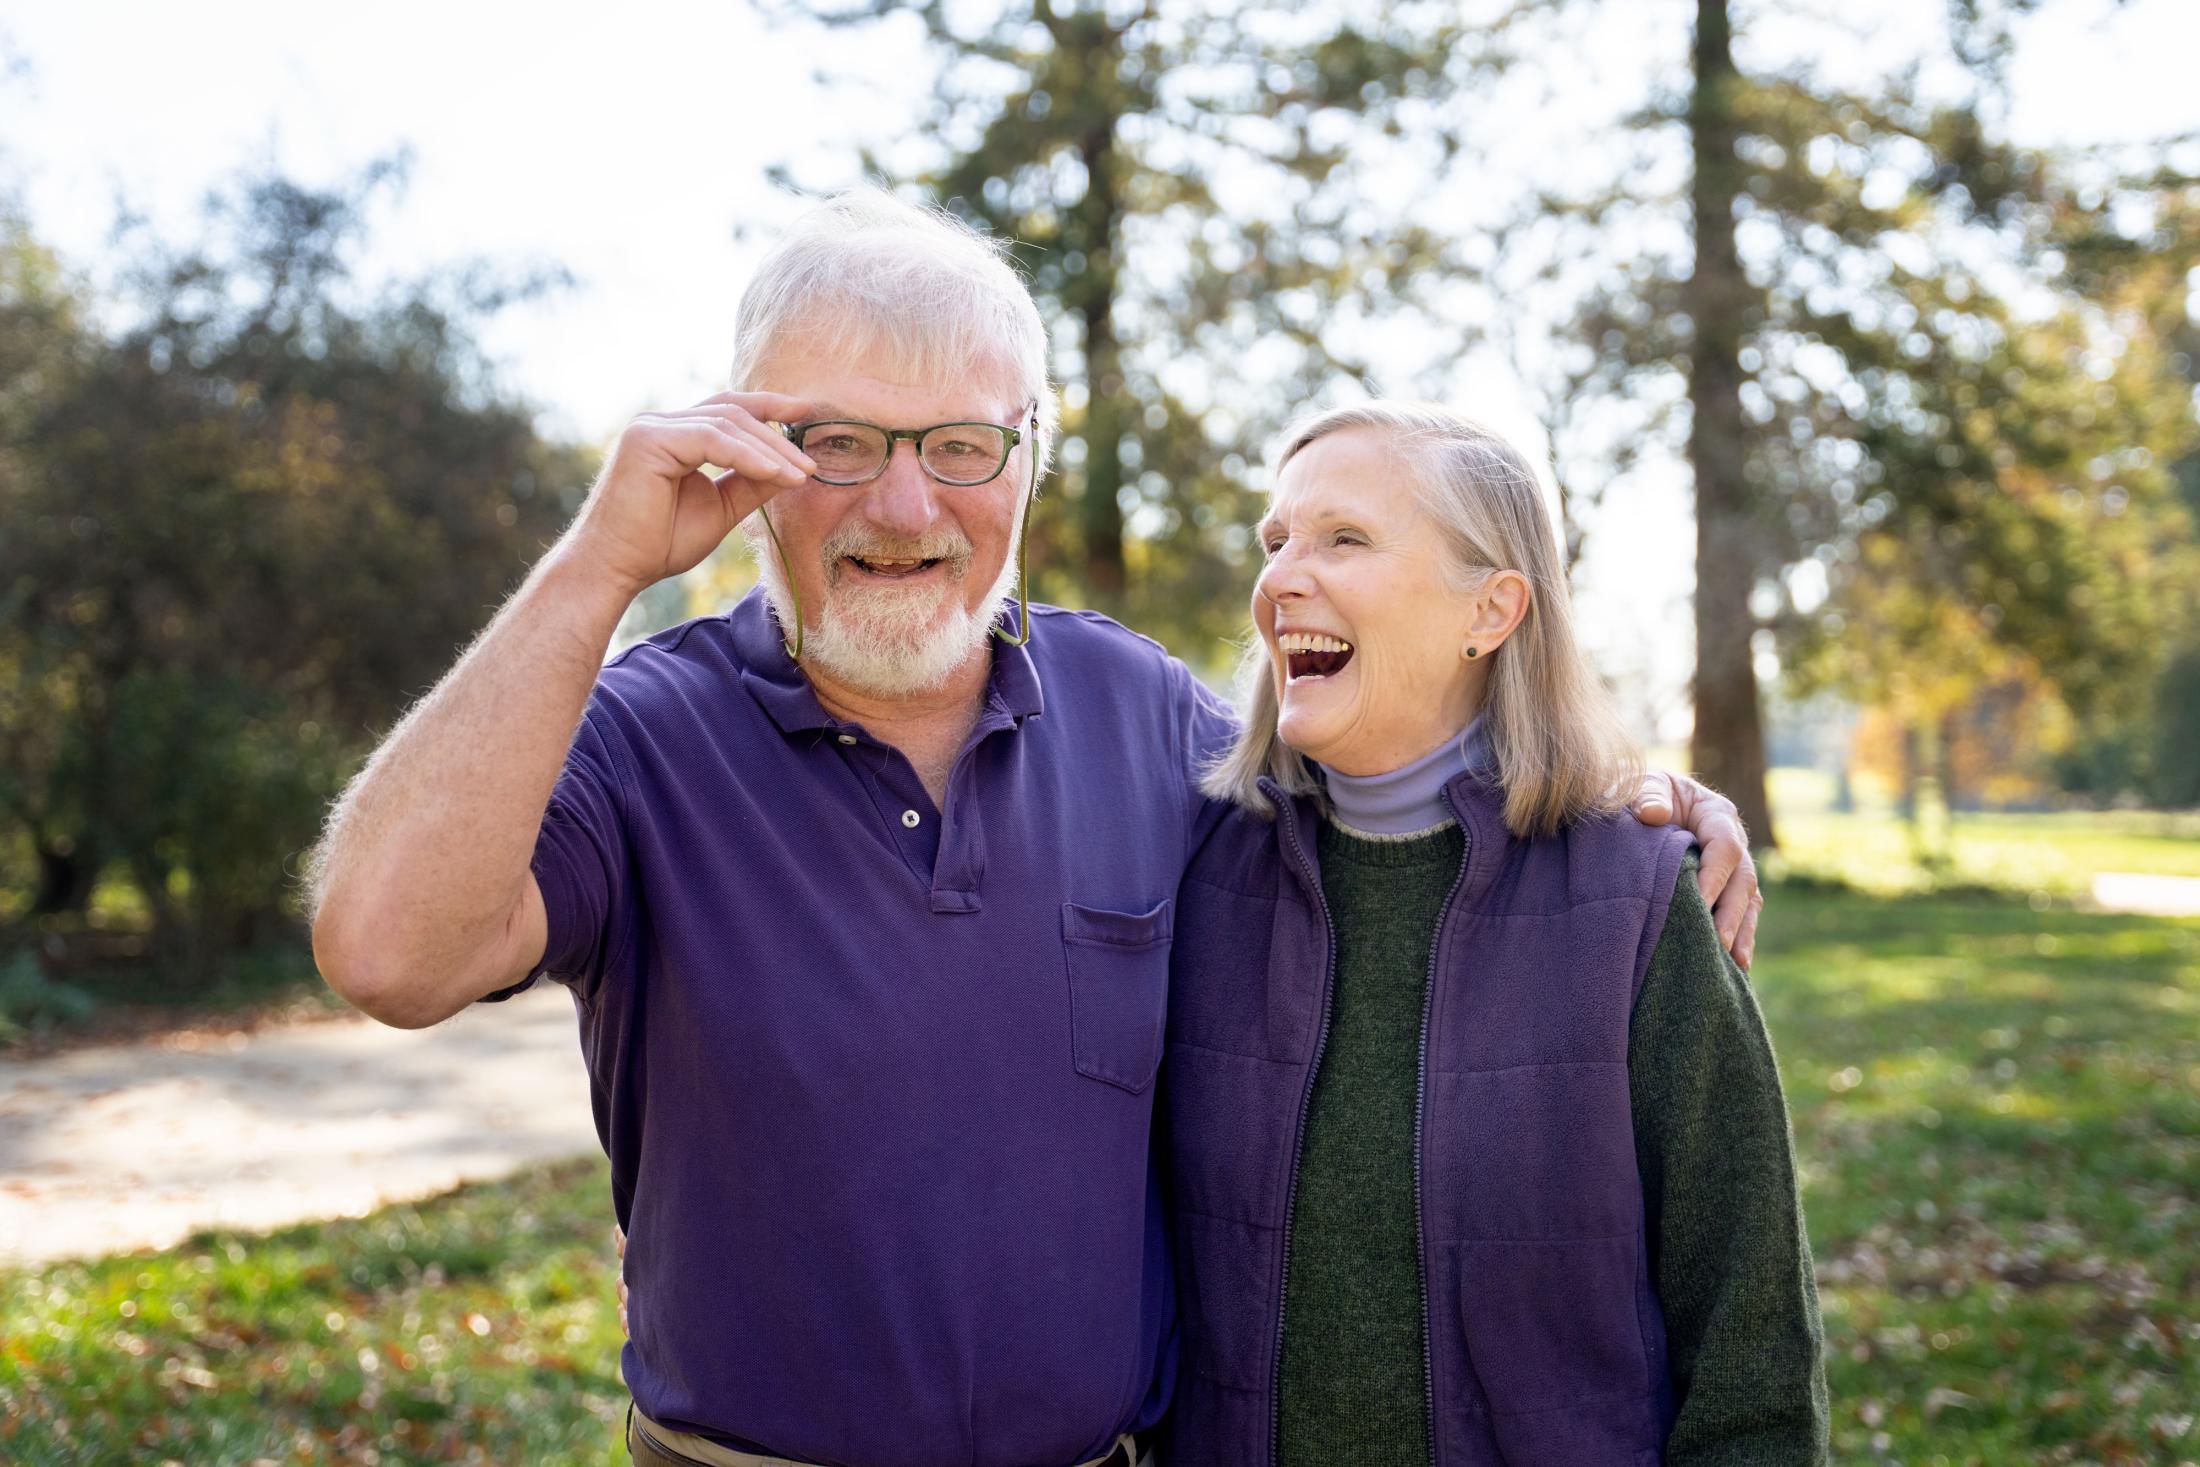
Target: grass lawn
(477,1327)
(1998,1114)
(2056,854)
(1998,1110)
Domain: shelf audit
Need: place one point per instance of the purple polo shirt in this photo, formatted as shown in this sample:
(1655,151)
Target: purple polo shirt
(876,1078)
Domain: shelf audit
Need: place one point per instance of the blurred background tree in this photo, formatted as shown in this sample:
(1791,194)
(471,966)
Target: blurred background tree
(1933,392)
(1928,439)
(245,526)
(1212,203)
(1928,432)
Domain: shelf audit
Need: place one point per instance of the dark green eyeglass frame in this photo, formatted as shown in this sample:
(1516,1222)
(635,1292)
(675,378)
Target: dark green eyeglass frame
(795,432)
(798,434)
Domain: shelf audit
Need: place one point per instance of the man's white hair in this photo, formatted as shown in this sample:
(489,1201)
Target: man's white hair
(866,274)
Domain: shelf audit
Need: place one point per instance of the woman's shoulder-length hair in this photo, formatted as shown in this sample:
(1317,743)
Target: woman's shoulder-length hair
(1560,749)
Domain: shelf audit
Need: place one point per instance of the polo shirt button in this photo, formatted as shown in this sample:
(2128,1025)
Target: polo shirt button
(910,818)
(847,738)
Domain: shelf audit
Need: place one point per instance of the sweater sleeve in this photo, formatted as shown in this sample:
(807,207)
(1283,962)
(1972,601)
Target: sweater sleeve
(1728,1253)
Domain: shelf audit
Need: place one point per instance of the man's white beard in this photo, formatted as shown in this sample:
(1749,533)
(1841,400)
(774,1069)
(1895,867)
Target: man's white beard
(883,638)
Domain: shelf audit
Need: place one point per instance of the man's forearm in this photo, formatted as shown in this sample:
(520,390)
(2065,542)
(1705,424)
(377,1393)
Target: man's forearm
(418,881)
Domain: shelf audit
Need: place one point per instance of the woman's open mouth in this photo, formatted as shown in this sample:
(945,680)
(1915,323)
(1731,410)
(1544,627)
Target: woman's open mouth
(1307,654)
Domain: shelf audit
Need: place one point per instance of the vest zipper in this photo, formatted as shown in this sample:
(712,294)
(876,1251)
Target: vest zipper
(1286,818)
(1420,1109)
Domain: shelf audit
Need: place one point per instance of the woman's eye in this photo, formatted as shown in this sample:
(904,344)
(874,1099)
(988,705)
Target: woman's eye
(1347,537)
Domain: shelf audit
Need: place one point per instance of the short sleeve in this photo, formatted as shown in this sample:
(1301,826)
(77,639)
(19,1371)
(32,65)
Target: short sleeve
(581,864)
(1207,729)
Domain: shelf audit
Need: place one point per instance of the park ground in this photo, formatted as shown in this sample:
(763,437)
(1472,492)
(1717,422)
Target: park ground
(1996,1094)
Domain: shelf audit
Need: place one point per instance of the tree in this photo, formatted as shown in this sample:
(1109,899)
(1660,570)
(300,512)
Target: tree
(1204,199)
(1854,315)
(43,342)
(243,530)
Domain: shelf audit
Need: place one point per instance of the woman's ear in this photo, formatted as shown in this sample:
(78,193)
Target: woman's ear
(1499,607)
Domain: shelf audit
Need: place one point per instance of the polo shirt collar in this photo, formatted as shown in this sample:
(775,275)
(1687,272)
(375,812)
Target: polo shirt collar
(783,690)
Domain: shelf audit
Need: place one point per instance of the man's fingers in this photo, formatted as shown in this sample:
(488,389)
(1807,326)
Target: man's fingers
(742,494)
(735,421)
(1737,901)
(709,442)
(1745,941)
(1719,862)
(768,407)
(758,452)
(1654,803)
(618,1238)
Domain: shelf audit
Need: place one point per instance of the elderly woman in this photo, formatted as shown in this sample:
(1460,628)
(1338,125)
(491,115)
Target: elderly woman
(1480,1154)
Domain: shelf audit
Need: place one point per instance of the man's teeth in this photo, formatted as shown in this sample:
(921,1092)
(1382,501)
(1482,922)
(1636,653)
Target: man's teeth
(1307,642)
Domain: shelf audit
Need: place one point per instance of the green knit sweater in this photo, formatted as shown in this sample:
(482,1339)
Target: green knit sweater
(1728,1255)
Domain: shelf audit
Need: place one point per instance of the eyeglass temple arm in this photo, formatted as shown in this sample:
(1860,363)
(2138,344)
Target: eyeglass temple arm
(1023,548)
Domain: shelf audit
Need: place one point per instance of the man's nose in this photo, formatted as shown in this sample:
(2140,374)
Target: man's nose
(903,498)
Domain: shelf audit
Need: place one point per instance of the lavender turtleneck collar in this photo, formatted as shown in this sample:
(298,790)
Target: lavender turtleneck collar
(1407,801)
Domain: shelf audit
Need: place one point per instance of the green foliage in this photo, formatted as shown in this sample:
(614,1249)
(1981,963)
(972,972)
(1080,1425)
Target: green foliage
(243,530)
(32,1003)
(1203,198)
(2174,778)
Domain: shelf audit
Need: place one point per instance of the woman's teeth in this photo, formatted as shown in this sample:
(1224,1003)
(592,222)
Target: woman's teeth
(1308,654)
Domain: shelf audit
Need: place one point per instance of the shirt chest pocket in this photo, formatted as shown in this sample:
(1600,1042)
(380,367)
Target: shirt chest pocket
(1118,991)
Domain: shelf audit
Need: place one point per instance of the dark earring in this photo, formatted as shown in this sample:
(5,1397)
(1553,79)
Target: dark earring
(1470,651)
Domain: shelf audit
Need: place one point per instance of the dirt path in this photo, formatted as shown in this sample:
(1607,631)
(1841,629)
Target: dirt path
(139,1145)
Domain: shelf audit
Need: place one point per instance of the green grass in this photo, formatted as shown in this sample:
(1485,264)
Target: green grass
(1998,1114)
(476,1327)
(1997,1109)
(2056,854)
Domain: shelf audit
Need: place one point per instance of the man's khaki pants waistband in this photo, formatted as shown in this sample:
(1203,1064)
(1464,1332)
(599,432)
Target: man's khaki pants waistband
(652,1445)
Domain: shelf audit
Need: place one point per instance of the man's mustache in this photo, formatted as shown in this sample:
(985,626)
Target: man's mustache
(951,549)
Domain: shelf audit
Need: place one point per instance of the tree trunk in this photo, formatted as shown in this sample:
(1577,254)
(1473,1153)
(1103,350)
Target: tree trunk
(1728,747)
(66,874)
(1102,576)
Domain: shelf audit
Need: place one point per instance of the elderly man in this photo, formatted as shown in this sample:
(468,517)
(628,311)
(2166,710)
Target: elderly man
(862,889)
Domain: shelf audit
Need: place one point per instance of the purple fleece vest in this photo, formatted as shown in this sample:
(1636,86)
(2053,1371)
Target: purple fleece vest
(1545,1342)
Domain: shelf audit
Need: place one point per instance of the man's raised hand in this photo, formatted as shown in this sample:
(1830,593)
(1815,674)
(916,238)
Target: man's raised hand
(654,511)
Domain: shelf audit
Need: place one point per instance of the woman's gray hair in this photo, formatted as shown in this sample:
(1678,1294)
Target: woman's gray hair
(866,274)
(1561,749)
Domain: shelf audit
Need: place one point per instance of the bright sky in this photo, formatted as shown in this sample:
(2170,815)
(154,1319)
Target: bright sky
(630,149)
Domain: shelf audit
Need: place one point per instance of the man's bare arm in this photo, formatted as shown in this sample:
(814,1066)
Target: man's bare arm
(423,900)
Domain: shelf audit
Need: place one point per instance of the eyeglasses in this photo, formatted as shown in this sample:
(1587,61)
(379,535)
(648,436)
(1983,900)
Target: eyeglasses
(848,453)
(959,454)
